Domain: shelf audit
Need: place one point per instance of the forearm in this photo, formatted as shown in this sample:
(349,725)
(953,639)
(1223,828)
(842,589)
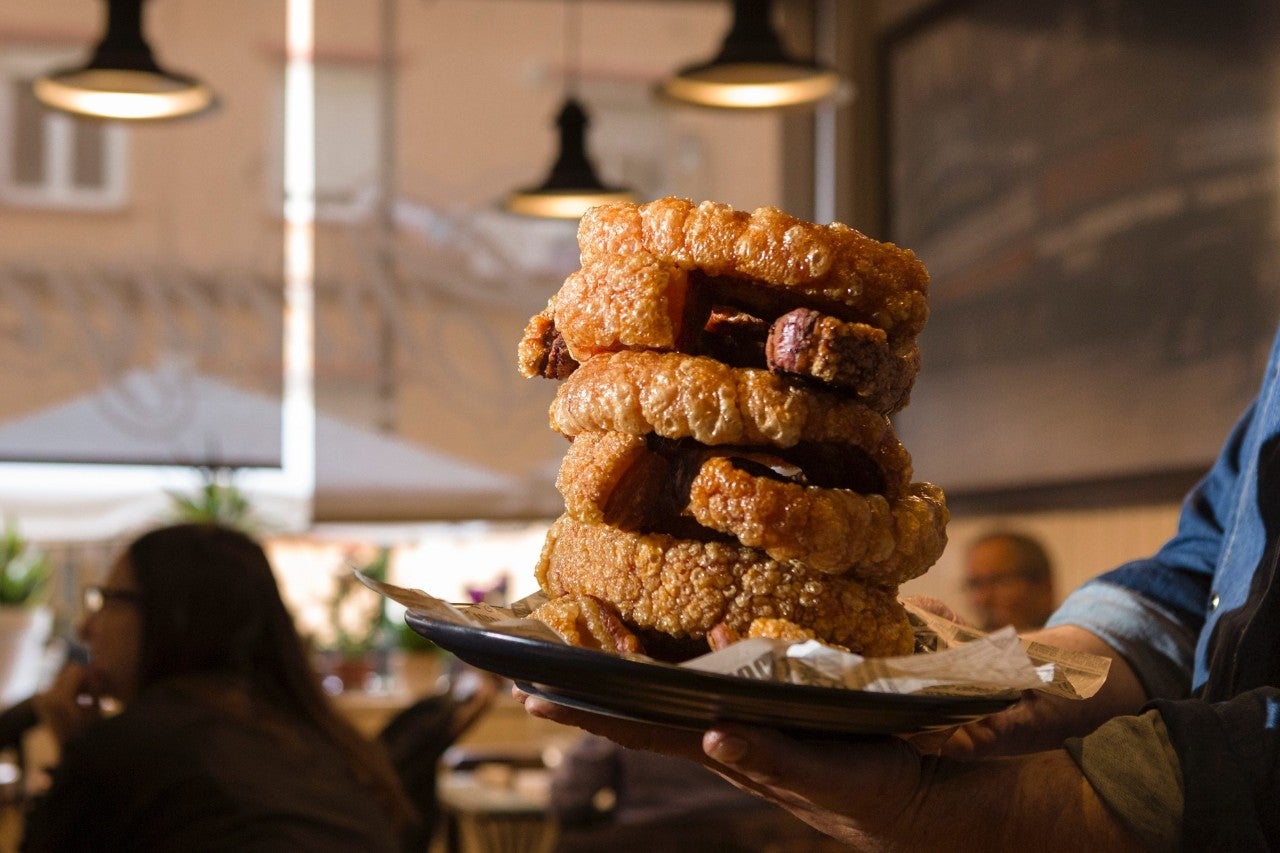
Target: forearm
(1036,802)
(1040,721)
(1121,693)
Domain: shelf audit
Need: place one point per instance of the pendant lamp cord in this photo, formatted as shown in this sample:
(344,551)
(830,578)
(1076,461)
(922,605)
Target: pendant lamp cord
(572,46)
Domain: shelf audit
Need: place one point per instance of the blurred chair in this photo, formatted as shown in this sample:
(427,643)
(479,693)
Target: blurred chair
(416,738)
(492,832)
(497,800)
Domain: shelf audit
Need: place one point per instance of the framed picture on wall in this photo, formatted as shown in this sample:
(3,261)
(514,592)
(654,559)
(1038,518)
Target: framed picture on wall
(1094,187)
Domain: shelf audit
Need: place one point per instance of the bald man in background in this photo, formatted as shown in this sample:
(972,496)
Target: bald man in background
(1009,581)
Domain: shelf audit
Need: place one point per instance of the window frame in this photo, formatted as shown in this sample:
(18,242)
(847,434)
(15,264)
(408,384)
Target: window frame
(57,191)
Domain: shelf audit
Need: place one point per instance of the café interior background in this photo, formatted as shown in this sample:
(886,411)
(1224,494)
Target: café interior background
(143,272)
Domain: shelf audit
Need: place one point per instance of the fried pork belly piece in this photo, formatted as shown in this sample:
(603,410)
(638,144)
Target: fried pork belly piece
(853,357)
(882,283)
(684,587)
(639,482)
(788,632)
(682,396)
(588,622)
(613,477)
(542,350)
(832,531)
(722,636)
(623,302)
(762,499)
(640,302)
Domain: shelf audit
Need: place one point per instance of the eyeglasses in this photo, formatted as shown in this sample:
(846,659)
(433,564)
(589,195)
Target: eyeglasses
(96,597)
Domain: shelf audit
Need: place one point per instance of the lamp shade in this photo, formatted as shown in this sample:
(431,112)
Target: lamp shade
(572,186)
(752,70)
(122,79)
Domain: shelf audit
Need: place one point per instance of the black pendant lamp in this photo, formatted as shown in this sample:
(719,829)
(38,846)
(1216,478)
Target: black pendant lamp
(572,186)
(122,80)
(752,70)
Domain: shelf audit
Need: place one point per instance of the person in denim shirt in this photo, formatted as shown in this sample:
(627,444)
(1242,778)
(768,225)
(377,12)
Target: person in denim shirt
(1179,750)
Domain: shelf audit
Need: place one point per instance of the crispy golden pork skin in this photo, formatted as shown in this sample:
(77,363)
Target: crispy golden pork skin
(612,478)
(684,588)
(833,531)
(721,636)
(622,302)
(542,350)
(641,302)
(727,378)
(760,499)
(682,396)
(781,629)
(588,622)
(877,283)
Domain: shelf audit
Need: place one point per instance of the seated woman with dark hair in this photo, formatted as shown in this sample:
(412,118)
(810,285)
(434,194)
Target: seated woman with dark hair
(226,740)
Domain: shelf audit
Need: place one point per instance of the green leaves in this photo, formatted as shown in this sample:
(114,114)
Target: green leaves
(357,614)
(218,501)
(24,569)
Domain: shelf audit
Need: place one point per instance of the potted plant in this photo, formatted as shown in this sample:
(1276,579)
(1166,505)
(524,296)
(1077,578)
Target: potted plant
(358,619)
(25,618)
(24,570)
(219,500)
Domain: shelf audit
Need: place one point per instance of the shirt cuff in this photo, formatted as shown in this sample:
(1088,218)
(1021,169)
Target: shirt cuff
(1158,647)
(1132,766)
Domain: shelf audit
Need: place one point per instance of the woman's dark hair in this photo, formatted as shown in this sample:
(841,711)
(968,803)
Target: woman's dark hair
(210,605)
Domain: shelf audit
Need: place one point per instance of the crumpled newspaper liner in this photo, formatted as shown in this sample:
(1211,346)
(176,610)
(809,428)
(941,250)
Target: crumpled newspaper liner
(950,659)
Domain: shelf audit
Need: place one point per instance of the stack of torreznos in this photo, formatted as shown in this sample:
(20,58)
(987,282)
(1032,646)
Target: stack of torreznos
(727,379)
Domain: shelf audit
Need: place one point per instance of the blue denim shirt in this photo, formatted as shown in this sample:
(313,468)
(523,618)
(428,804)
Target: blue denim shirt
(1199,622)
(1159,613)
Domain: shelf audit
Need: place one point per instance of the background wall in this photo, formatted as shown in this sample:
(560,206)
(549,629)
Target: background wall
(428,114)
(1081,544)
(1086,530)
(418,332)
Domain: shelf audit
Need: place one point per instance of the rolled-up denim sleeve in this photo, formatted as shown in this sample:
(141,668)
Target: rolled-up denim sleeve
(1158,645)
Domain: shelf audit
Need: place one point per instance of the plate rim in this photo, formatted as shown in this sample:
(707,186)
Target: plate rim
(952,710)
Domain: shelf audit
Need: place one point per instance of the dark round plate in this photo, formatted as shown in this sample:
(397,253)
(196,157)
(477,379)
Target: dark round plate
(688,698)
